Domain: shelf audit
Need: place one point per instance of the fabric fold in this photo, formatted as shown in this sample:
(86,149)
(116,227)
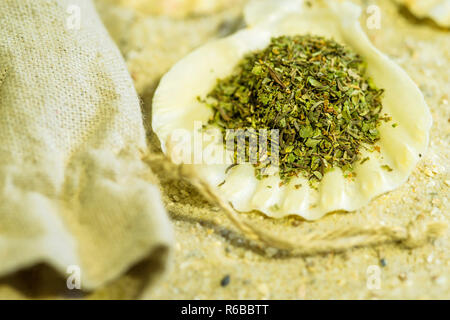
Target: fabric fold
(73,188)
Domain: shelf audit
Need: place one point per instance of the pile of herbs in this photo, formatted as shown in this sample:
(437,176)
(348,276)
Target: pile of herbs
(313,90)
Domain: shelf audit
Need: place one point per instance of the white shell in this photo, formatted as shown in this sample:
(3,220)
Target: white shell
(176,108)
(437,10)
(263,11)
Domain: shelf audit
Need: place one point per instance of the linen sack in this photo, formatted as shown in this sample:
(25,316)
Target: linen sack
(74,192)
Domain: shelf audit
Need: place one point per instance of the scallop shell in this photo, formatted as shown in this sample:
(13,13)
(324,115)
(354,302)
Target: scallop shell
(437,10)
(176,110)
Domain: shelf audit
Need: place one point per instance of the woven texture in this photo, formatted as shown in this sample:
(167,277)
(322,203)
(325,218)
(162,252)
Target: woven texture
(73,188)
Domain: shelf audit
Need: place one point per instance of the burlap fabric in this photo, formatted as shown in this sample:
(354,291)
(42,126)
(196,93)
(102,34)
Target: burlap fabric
(73,188)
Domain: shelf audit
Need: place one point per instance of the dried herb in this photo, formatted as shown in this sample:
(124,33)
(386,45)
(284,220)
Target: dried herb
(313,90)
(386,167)
(364,160)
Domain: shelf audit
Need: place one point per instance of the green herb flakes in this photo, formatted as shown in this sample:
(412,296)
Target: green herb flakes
(313,90)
